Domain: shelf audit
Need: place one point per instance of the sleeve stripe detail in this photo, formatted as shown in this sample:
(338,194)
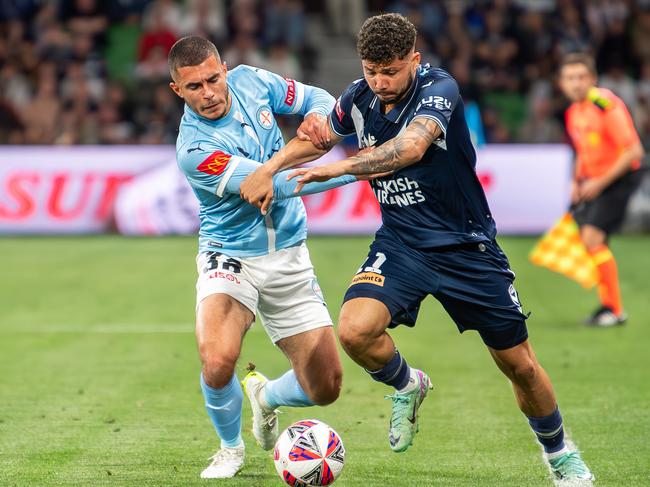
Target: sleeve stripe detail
(300,97)
(226,177)
(435,119)
(336,131)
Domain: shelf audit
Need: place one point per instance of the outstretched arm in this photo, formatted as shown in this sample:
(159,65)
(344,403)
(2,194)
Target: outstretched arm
(258,188)
(398,152)
(283,188)
(215,171)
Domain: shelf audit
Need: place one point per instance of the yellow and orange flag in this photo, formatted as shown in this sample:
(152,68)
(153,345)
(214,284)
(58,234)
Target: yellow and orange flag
(562,250)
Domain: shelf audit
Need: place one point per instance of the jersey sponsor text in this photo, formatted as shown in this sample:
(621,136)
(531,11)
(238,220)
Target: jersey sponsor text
(400,191)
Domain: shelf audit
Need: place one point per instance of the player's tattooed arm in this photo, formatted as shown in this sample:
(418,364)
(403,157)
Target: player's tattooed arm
(399,152)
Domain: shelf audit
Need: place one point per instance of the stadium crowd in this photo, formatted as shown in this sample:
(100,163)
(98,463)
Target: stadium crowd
(95,72)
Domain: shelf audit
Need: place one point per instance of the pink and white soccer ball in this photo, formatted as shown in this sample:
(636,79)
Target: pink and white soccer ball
(309,452)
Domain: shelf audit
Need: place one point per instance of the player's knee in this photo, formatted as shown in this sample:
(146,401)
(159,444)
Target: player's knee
(351,336)
(354,335)
(328,390)
(218,370)
(525,372)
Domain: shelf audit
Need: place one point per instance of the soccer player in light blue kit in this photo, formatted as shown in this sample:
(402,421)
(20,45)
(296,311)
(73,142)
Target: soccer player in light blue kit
(250,262)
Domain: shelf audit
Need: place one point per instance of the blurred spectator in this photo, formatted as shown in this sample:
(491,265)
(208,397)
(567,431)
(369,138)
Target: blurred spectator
(428,17)
(95,71)
(156,41)
(205,18)
(242,50)
(40,116)
(162,15)
(345,17)
(616,49)
(540,127)
(15,88)
(571,32)
(617,80)
(279,60)
(244,19)
(640,33)
(285,23)
(85,17)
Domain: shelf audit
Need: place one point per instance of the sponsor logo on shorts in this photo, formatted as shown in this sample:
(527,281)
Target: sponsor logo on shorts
(224,275)
(368,278)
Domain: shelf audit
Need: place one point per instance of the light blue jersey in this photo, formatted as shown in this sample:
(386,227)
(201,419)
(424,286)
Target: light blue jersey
(217,155)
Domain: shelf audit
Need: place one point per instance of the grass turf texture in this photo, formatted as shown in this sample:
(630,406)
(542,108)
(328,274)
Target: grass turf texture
(99,382)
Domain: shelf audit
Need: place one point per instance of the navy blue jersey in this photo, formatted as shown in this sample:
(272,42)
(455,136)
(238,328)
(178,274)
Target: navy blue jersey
(439,200)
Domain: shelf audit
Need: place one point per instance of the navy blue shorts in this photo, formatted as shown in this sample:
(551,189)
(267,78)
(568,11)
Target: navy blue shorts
(473,282)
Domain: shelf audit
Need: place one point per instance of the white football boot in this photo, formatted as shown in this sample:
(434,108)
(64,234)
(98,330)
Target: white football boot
(265,419)
(225,463)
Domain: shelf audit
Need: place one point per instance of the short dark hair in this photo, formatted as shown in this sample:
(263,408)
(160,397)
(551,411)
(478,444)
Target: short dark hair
(190,51)
(579,58)
(385,37)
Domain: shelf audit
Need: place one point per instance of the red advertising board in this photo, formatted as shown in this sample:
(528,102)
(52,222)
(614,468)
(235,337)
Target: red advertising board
(86,189)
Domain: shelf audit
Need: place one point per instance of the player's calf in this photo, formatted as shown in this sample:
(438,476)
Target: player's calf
(536,399)
(326,389)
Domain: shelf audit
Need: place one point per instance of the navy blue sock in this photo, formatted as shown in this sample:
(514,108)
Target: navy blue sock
(549,431)
(395,373)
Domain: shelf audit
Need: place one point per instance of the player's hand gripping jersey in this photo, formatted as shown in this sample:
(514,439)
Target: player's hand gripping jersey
(600,128)
(438,201)
(217,155)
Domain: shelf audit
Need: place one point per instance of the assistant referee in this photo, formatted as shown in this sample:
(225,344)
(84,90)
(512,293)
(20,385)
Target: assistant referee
(608,159)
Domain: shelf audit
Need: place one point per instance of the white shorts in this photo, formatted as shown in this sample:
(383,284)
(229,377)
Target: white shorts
(281,286)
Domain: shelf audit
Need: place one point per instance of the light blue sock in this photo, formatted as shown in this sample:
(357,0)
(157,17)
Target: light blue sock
(286,391)
(224,408)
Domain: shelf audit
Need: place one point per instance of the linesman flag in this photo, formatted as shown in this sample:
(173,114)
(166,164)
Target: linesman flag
(562,250)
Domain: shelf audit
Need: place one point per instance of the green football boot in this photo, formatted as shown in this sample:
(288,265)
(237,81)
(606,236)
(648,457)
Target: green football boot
(571,468)
(404,418)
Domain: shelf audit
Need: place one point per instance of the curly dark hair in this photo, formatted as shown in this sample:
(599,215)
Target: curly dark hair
(385,37)
(190,51)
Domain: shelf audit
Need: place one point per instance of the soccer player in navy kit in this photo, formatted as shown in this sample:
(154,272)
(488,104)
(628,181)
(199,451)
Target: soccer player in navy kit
(437,237)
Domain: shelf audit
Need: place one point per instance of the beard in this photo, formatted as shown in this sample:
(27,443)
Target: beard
(400,96)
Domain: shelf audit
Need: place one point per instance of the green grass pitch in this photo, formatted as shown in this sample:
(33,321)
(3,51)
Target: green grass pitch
(99,374)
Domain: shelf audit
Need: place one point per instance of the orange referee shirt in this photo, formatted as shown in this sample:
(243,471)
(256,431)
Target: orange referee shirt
(600,128)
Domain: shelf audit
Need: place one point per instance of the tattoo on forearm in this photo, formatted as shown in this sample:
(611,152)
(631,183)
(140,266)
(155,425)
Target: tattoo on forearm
(399,151)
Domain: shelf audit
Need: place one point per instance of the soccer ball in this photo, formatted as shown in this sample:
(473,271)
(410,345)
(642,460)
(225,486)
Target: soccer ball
(309,452)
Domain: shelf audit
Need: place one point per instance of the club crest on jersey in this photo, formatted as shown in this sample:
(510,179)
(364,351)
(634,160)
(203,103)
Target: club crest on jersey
(265,117)
(215,163)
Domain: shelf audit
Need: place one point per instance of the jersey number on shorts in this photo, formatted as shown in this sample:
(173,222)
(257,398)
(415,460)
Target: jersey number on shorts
(230,264)
(375,266)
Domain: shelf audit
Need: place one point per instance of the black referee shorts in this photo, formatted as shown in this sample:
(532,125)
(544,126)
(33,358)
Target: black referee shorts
(607,210)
